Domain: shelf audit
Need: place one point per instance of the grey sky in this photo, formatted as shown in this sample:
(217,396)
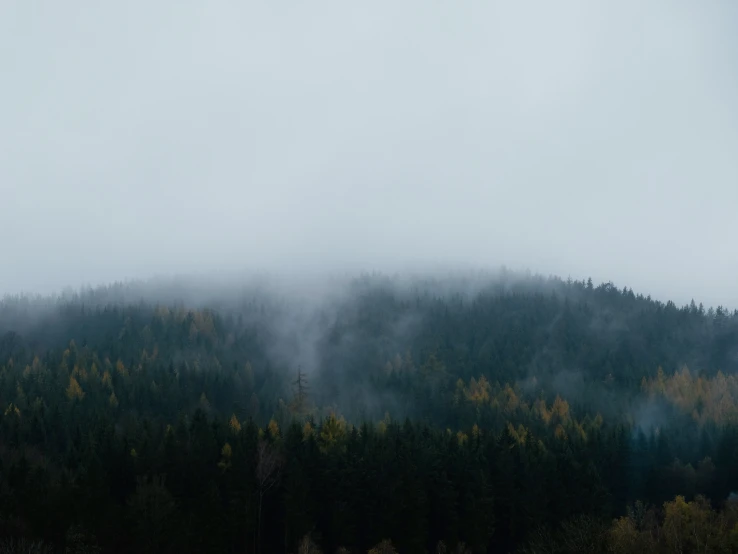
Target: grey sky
(582,138)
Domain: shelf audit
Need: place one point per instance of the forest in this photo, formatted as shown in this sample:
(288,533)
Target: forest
(494,412)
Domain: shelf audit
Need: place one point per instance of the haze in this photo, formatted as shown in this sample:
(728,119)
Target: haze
(575,138)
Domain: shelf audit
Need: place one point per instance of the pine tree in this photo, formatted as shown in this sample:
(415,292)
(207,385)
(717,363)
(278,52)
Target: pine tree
(299,401)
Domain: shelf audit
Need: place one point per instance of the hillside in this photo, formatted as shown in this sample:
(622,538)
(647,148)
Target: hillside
(488,409)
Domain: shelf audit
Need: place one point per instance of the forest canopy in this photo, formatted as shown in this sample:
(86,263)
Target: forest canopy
(483,412)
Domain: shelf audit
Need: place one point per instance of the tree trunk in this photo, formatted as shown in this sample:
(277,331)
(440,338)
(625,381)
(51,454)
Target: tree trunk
(258,525)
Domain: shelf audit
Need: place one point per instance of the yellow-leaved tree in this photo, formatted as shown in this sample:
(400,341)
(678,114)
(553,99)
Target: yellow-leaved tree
(307,431)
(234,425)
(478,391)
(226,453)
(74,391)
(690,526)
(332,432)
(107,380)
(121,369)
(273,428)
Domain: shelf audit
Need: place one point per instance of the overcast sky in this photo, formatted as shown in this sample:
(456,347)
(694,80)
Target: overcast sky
(577,138)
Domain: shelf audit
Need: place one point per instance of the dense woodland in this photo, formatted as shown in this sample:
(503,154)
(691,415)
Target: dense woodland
(482,413)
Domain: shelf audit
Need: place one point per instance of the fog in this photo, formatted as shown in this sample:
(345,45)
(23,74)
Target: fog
(573,138)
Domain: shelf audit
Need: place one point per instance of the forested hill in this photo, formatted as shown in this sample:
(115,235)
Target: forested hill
(365,343)
(488,409)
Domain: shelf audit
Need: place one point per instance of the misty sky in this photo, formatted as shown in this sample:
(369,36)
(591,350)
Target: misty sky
(577,138)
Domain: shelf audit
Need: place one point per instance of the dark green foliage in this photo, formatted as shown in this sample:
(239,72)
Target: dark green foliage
(467,417)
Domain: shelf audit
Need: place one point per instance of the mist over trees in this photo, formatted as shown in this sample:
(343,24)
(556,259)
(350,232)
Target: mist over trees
(480,412)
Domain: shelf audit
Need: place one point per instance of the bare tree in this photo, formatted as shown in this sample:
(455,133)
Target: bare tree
(384,547)
(307,546)
(299,403)
(267,475)
(584,534)
(24,546)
